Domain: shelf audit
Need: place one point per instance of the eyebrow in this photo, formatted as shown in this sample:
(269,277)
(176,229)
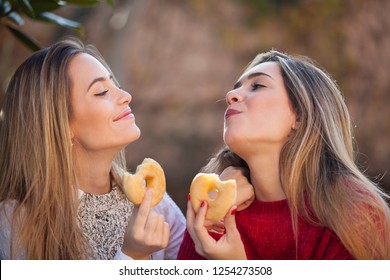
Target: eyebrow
(251,76)
(98,79)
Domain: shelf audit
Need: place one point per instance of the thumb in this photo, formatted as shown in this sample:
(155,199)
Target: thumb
(230,222)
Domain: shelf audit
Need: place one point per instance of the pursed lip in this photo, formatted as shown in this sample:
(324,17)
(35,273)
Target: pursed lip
(126,113)
(231,112)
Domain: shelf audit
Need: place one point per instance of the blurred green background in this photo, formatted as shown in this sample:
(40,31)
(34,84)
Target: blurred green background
(179,58)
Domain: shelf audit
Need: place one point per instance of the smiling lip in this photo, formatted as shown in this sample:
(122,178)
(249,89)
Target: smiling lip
(126,114)
(231,112)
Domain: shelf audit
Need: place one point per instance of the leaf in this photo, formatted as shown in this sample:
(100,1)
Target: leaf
(16,18)
(5,8)
(28,8)
(47,5)
(25,39)
(58,20)
(39,10)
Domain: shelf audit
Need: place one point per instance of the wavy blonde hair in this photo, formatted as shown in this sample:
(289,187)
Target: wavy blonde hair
(319,176)
(36,163)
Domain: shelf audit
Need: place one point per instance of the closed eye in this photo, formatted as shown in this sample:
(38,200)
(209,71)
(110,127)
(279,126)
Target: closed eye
(102,93)
(256,86)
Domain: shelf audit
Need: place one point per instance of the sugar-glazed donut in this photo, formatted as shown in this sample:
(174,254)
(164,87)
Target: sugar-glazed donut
(226,191)
(149,174)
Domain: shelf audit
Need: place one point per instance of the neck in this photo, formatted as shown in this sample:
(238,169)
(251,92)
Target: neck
(265,176)
(93,170)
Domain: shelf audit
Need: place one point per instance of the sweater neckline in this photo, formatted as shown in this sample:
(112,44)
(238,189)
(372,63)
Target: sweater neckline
(110,193)
(269,207)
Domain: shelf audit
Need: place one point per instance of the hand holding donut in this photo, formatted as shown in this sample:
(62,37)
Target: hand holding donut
(147,231)
(230,188)
(239,192)
(228,247)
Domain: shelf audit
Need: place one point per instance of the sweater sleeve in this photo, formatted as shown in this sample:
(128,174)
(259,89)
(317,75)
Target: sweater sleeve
(4,234)
(6,212)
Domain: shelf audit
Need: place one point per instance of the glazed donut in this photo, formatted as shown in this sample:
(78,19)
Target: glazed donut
(149,174)
(226,192)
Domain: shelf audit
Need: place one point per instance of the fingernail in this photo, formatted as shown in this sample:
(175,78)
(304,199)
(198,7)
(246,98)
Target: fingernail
(202,204)
(189,197)
(233,211)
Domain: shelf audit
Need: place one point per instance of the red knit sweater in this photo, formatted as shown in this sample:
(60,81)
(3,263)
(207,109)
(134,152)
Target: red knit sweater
(266,231)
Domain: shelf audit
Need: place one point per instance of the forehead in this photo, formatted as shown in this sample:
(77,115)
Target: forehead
(270,68)
(84,67)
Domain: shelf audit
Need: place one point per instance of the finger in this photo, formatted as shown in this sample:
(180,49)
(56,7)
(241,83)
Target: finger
(151,223)
(214,224)
(155,229)
(152,235)
(246,204)
(211,223)
(200,217)
(144,210)
(230,222)
(199,229)
(220,224)
(218,227)
(190,215)
(226,173)
(231,172)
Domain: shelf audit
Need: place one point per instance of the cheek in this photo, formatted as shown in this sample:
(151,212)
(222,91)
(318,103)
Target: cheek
(272,116)
(89,122)
(91,115)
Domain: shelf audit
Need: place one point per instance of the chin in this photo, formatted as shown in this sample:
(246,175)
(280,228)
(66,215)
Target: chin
(132,132)
(230,138)
(134,136)
(235,144)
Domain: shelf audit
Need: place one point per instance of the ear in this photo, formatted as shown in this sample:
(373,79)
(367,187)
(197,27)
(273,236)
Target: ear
(296,125)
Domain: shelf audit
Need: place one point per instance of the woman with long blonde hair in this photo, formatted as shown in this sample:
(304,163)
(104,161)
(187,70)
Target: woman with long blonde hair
(288,129)
(64,125)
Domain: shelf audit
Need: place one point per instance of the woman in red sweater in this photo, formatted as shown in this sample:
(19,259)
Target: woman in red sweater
(288,130)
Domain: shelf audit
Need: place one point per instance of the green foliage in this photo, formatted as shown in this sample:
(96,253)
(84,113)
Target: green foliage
(13,11)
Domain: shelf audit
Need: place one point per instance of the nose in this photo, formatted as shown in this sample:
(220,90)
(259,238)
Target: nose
(124,96)
(233,96)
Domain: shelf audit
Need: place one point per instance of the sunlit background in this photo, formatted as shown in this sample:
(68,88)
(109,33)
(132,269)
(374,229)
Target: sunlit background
(179,58)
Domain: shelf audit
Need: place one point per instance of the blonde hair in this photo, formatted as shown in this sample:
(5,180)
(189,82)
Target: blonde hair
(36,163)
(318,172)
